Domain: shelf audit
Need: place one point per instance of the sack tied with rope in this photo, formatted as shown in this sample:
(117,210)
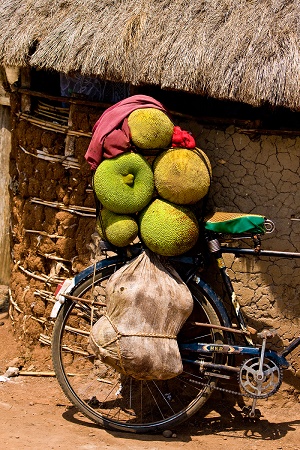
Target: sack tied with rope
(147,304)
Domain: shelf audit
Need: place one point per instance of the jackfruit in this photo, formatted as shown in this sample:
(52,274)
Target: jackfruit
(119,229)
(150,128)
(124,184)
(168,229)
(181,175)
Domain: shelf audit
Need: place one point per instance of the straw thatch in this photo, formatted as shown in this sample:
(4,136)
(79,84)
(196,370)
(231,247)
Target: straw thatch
(244,50)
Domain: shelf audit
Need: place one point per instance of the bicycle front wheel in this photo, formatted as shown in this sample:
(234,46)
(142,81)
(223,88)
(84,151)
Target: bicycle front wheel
(117,401)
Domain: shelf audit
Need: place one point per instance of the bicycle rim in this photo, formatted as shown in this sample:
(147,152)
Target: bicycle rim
(116,401)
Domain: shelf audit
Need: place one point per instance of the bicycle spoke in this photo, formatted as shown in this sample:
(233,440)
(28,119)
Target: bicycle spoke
(116,400)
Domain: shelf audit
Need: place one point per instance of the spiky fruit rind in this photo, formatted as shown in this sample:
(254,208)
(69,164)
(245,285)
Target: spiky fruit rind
(168,229)
(124,184)
(182,176)
(119,229)
(150,128)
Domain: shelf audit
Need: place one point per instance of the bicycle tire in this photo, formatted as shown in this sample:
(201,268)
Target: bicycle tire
(100,393)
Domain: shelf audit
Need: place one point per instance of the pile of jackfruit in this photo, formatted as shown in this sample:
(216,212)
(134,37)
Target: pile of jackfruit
(153,202)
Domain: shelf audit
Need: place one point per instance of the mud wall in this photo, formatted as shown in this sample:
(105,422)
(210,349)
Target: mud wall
(52,219)
(257,174)
(260,174)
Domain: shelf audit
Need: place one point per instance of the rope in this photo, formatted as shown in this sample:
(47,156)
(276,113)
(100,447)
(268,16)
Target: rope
(119,335)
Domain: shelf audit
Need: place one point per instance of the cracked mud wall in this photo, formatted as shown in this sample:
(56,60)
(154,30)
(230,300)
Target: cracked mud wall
(250,174)
(261,175)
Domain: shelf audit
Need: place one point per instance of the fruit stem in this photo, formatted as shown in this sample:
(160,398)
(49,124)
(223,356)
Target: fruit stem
(129,179)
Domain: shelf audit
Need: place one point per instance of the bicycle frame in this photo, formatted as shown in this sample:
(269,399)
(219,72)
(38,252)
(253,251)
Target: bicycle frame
(217,251)
(208,350)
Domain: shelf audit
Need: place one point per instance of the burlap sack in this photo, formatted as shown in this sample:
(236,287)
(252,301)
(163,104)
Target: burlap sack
(147,304)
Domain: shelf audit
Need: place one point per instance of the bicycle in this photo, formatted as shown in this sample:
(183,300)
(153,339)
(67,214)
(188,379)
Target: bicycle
(208,341)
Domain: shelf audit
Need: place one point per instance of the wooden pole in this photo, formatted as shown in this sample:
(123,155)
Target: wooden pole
(5,148)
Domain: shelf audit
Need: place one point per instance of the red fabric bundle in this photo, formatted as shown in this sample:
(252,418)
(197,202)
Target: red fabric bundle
(182,139)
(111,134)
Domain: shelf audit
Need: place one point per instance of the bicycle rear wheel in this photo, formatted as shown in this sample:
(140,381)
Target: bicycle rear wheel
(120,402)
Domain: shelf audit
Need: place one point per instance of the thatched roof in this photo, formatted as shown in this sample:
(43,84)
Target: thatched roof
(244,50)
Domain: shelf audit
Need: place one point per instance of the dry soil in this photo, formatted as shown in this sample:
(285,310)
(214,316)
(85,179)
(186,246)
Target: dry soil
(34,414)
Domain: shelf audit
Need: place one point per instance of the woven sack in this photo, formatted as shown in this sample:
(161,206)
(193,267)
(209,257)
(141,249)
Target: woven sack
(147,304)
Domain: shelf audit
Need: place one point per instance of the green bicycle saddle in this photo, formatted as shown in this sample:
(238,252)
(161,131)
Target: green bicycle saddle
(235,223)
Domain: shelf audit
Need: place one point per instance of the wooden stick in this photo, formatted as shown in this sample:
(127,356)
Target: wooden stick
(67,161)
(61,109)
(53,280)
(50,256)
(72,209)
(43,233)
(76,101)
(83,300)
(14,304)
(220,327)
(44,374)
(268,131)
(51,126)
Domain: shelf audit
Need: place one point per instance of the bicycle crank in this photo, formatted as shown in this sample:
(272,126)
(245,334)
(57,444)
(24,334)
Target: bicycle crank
(260,379)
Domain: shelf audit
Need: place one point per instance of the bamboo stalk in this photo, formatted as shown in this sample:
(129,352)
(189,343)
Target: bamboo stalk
(34,120)
(83,300)
(58,157)
(52,280)
(80,210)
(45,295)
(50,256)
(68,161)
(268,131)
(37,374)
(51,126)
(50,115)
(77,331)
(43,233)
(102,380)
(14,304)
(38,319)
(52,110)
(43,374)
(61,109)
(79,352)
(10,308)
(79,133)
(76,101)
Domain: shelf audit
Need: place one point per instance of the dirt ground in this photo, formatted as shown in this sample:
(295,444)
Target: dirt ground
(34,413)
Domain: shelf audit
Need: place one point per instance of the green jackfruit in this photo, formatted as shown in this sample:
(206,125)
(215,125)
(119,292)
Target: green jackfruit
(168,229)
(124,184)
(150,128)
(119,229)
(182,176)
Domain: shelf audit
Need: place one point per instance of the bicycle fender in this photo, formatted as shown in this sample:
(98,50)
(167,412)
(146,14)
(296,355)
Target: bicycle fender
(63,288)
(99,265)
(206,289)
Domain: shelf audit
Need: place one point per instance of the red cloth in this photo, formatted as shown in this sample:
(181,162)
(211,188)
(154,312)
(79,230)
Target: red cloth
(111,132)
(182,139)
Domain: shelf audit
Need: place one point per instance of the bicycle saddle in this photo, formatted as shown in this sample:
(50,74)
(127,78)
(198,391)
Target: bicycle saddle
(235,223)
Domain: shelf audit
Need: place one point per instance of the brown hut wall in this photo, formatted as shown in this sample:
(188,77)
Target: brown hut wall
(258,174)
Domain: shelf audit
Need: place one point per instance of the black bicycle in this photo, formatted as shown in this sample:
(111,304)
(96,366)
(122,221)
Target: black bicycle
(215,344)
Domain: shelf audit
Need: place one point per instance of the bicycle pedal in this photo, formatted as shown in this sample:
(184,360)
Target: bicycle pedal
(267,334)
(248,413)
